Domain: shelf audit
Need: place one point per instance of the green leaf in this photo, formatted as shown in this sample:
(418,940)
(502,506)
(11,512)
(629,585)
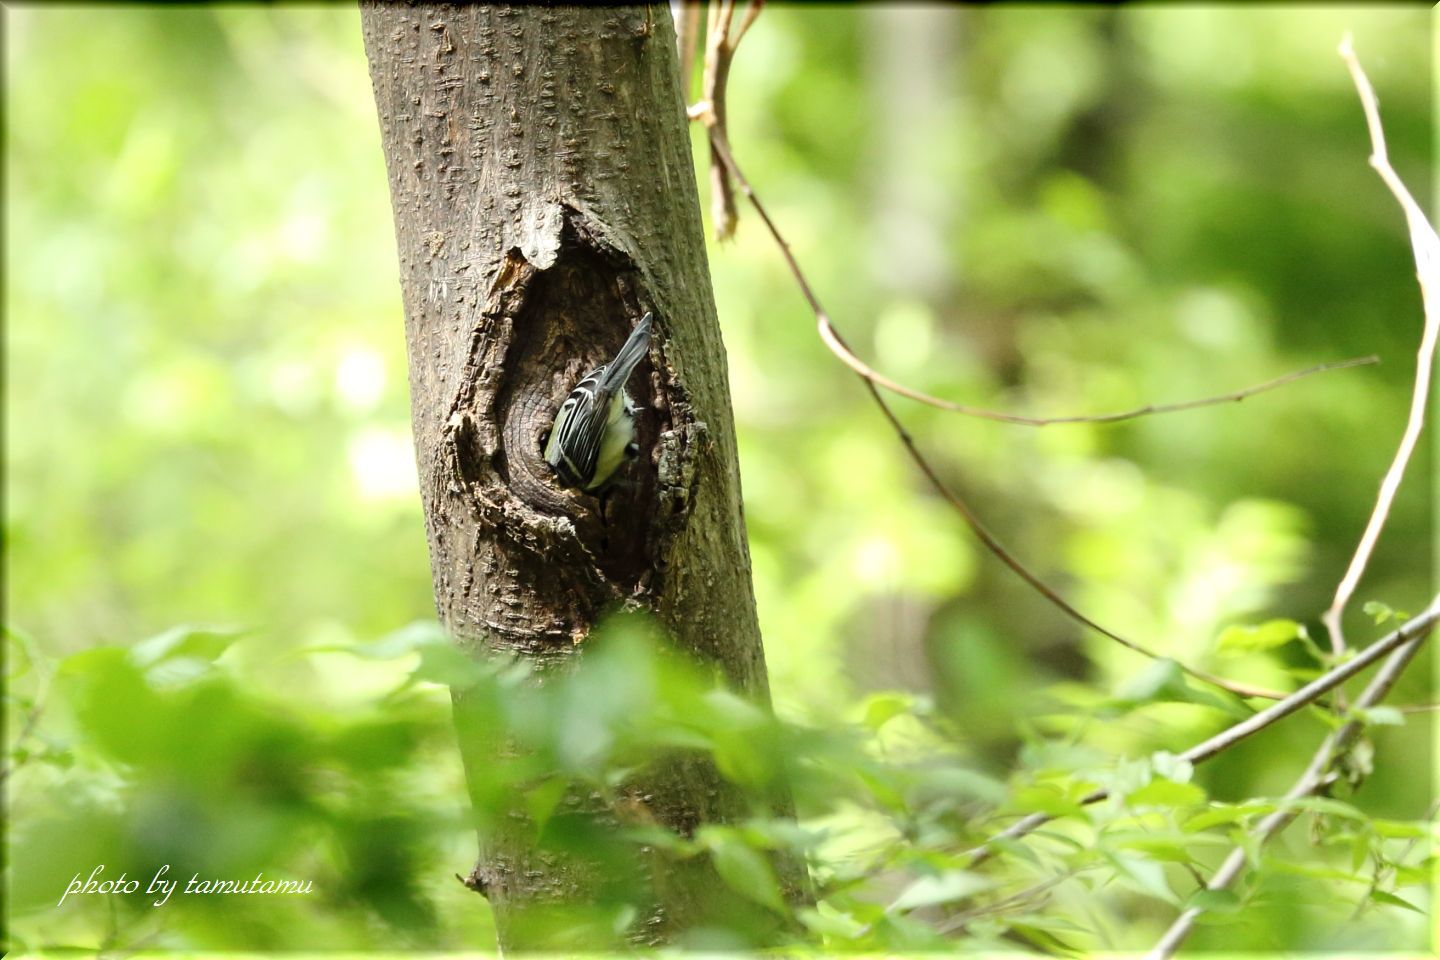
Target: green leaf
(21,656)
(442,663)
(1044,939)
(732,711)
(957,782)
(542,798)
(1163,681)
(397,643)
(1166,793)
(1047,799)
(1143,876)
(1294,868)
(624,916)
(1380,612)
(177,671)
(1266,636)
(1054,837)
(1357,763)
(1130,775)
(1389,899)
(883,790)
(677,734)
(186,641)
(1036,921)
(1214,901)
(1402,828)
(661,838)
(1413,875)
(1017,849)
(1172,767)
(880,708)
(1381,716)
(1225,813)
(1359,851)
(829,922)
(1331,806)
(940,888)
(1150,683)
(1168,846)
(777,833)
(745,869)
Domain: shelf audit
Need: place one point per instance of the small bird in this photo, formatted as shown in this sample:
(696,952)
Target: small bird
(594,432)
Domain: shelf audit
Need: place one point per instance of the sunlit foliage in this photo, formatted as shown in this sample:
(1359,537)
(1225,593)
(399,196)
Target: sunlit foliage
(1043,210)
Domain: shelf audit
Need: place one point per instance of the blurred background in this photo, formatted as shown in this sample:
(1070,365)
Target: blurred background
(1045,211)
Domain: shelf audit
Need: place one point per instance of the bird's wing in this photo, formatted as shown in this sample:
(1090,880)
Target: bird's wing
(634,350)
(582,431)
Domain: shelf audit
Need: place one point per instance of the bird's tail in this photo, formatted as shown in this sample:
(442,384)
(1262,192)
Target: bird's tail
(635,348)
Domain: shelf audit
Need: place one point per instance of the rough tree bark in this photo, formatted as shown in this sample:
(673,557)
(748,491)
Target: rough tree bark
(544,197)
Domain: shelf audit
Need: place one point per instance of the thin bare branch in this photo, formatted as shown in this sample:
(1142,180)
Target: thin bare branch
(1407,637)
(841,350)
(1426,246)
(1318,775)
(720,146)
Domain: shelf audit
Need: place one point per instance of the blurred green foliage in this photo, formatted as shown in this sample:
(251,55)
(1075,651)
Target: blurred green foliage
(1042,210)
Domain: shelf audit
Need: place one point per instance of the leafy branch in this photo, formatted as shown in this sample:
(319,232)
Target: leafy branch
(1318,777)
(1405,638)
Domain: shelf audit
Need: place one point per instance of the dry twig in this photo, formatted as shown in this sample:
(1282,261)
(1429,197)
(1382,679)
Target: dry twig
(847,356)
(1427,261)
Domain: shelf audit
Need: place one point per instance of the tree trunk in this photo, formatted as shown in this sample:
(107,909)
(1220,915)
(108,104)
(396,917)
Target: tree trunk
(544,197)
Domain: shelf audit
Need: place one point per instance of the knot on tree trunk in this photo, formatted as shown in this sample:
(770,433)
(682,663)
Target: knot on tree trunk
(542,327)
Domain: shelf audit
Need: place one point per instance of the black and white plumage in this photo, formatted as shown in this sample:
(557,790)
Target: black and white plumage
(594,432)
